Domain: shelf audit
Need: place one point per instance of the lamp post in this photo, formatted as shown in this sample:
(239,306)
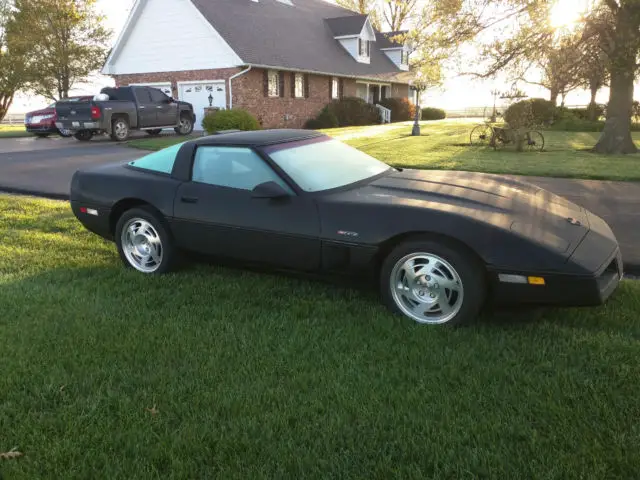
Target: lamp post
(418,85)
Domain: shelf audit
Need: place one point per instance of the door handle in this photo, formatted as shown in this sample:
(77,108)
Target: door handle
(142,107)
(159,106)
(189,200)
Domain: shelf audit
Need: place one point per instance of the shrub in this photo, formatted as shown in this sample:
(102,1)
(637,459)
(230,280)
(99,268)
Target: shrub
(353,111)
(234,119)
(401,109)
(430,113)
(532,112)
(592,111)
(325,119)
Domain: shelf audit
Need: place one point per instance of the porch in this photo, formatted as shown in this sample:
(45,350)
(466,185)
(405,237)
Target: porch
(374,93)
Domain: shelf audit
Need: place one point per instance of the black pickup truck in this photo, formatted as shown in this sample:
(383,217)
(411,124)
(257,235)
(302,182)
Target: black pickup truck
(117,111)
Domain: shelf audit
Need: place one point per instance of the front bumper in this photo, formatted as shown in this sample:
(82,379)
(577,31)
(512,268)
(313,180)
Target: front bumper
(41,128)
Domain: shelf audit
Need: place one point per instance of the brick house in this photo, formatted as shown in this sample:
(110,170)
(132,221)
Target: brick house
(282,60)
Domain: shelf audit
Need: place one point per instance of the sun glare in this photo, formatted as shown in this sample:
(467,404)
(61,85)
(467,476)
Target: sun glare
(566,13)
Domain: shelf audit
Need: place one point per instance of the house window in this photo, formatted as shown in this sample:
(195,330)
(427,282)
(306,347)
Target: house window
(364,48)
(298,91)
(273,87)
(404,58)
(335,88)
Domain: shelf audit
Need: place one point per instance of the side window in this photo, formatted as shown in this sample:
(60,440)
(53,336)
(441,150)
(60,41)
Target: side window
(233,167)
(161,161)
(142,95)
(157,96)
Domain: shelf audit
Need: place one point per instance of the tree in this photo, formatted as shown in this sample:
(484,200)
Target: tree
(365,7)
(560,67)
(71,43)
(514,30)
(397,12)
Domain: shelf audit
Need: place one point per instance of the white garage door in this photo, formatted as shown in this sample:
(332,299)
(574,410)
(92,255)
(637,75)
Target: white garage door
(203,95)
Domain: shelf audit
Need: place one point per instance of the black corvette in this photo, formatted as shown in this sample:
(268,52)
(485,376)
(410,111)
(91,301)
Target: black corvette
(439,243)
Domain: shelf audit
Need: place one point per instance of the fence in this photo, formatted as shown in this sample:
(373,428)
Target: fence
(13,119)
(485,112)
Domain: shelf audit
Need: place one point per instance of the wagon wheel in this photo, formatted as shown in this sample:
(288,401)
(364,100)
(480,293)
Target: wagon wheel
(499,139)
(481,136)
(535,141)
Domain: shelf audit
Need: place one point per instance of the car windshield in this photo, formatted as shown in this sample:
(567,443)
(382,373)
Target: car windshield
(322,163)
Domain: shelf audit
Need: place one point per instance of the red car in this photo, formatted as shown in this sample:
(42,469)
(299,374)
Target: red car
(42,123)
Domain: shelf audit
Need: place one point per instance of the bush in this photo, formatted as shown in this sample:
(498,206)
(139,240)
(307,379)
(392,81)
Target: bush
(234,119)
(353,111)
(430,113)
(586,113)
(401,109)
(325,119)
(534,112)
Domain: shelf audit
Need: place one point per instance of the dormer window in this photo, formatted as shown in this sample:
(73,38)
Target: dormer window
(404,58)
(364,48)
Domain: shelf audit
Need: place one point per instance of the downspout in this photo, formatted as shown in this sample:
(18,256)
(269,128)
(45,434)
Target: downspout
(231,86)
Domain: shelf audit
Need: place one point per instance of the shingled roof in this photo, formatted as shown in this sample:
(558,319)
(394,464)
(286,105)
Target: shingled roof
(389,39)
(271,33)
(347,25)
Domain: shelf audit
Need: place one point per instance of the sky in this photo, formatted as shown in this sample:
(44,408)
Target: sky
(457,93)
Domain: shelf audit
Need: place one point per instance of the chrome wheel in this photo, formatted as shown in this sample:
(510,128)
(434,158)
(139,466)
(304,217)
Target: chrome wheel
(426,288)
(121,129)
(185,126)
(141,245)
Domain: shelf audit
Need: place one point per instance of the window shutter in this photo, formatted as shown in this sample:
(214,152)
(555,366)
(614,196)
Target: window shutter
(340,88)
(293,84)
(331,87)
(281,79)
(265,81)
(306,85)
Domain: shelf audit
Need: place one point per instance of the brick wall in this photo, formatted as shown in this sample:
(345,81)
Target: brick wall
(248,93)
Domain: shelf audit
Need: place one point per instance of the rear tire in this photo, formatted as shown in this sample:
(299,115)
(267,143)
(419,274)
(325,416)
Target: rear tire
(144,243)
(120,130)
(433,283)
(186,125)
(83,135)
(65,133)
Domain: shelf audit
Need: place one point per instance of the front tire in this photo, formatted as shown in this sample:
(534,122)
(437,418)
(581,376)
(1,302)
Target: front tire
(144,243)
(120,130)
(65,133)
(433,283)
(186,125)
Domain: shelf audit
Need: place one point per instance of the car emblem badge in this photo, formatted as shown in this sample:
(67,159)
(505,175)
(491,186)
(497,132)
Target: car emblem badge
(73,112)
(348,234)
(573,221)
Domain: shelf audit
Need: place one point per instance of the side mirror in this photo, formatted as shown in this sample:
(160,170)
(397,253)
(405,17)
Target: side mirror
(269,190)
(169,100)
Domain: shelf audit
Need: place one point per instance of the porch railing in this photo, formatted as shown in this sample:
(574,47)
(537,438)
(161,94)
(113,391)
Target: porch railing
(385,114)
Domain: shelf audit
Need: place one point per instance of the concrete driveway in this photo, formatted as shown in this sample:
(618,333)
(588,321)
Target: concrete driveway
(45,166)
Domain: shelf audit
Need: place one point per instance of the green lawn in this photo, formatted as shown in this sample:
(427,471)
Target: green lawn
(218,373)
(11,131)
(445,145)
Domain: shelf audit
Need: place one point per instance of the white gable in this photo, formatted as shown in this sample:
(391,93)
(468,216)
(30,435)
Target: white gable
(168,36)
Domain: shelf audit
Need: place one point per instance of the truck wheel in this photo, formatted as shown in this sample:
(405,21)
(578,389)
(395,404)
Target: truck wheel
(120,130)
(65,133)
(186,125)
(84,135)
(155,132)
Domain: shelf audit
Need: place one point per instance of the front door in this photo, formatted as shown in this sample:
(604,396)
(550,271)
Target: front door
(166,110)
(216,214)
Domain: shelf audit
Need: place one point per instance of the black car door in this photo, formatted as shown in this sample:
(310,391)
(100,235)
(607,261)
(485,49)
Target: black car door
(215,213)
(147,115)
(166,110)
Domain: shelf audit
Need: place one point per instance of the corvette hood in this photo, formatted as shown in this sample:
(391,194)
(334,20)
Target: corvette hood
(523,208)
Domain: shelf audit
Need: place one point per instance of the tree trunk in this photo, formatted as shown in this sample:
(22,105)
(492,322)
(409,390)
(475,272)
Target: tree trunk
(616,136)
(554,96)
(6,99)
(593,107)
